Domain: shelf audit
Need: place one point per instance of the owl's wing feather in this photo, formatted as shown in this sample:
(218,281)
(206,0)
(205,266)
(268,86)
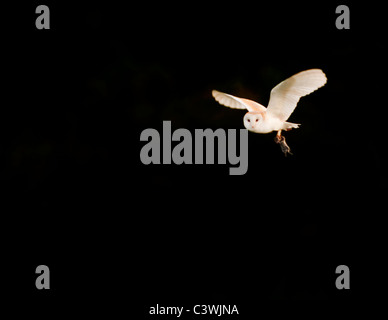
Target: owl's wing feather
(285,96)
(237,103)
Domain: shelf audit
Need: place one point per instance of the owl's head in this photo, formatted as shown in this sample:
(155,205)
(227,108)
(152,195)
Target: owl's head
(252,119)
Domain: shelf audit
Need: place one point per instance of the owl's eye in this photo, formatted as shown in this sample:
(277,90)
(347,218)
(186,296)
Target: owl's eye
(249,120)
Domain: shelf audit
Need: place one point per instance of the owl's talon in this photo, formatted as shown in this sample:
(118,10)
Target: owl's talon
(279,139)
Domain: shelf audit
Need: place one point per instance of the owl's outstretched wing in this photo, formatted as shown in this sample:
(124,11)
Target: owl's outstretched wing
(230,101)
(285,96)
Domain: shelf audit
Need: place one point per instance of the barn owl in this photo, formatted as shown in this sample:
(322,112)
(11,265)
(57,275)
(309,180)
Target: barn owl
(283,100)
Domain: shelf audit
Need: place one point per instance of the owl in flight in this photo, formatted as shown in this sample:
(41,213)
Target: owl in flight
(283,100)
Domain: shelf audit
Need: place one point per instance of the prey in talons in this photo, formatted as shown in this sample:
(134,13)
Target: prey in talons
(279,139)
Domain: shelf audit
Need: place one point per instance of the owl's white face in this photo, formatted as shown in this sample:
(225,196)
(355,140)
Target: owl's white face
(252,120)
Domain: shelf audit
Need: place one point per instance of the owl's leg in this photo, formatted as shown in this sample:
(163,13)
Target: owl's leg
(283,145)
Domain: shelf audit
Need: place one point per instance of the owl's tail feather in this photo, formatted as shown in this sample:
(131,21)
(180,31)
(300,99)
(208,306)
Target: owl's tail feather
(288,126)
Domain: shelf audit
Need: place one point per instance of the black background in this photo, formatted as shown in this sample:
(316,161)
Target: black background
(119,236)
